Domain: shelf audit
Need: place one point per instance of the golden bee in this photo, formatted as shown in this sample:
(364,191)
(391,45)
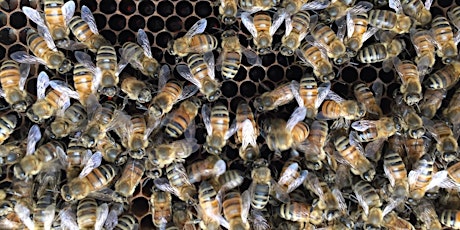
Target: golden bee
(334,46)
(388,20)
(247,132)
(316,57)
(106,61)
(131,176)
(339,8)
(230,179)
(176,151)
(281,95)
(193,41)
(262,28)
(444,38)
(10,153)
(212,166)
(365,96)
(411,87)
(57,15)
(452,111)
(209,207)
(313,148)
(310,95)
(420,177)
(444,78)
(136,89)
(217,123)
(85,80)
(8,124)
(73,119)
(335,107)
(89,215)
(177,183)
(135,135)
(370,201)
(77,157)
(371,130)
(13,79)
(140,56)
(236,208)
(432,100)
(228,10)
(200,72)
(425,48)
(417,10)
(262,184)
(179,120)
(126,222)
(450,218)
(446,142)
(412,122)
(425,211)
(357,31)
(170,92)
(393,222)
(161,208)
(45,52)
(381,52)
(295,211)
(85,30)
(291,177)
(297,27)
(111,151)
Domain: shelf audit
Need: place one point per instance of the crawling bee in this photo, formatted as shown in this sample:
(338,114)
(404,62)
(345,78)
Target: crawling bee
(135,133)
(452,111)
(179,120)
(389,20)
(381,52)
(315,56)
(411,87)
(281,95)
(212,166)
(446,142)
(417,10)
(432,100)
(444,78)
(136,89)
(297,27)
(13,79)
(444,38)
(73,119)
(337,9)
(370,201)
(357,31)
(425,47)
(247,132)
(365,96)
(337,107)
(217,123)
(334,46)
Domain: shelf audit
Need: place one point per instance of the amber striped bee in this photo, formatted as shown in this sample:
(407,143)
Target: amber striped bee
(262,28)
(335,107)
(328,39)
(85,79)
(193,41)
(247,132)
(425,47)
(177,183)
(291,177)
(444,78)
(73,119)
(131,176)
(315,56)
(310,95)
(164,154)
(179,120)
(111,150)
(8,124)
(396,172)
(281,95)
(357,31)
(444,38)
(313,148)
(370,201)
(388,20)
(365,96)
(212,166)
(432,100)
(420,177)
(209,207)
(13,78)
(236,209)
(217,123)
(452,111)
(161,208)
(135,134)
(381,52)
(295,211)
(337,9)
(417,10)
(297,27)
(446,142)
(136,89)
(228,10)
(89,215)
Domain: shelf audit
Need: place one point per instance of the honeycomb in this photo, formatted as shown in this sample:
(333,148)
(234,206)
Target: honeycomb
(119,20)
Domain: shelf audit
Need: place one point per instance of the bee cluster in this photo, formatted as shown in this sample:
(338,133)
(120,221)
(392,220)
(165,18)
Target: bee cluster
(234,114)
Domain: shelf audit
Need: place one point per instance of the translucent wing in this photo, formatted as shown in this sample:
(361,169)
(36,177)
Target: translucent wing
(34,15)
(121,66)
(387,170)
(246,198)
(313,184)
(101,216)
(280,193)
(163,185)
(350,25)
(48,215)
(206,114)
(68,219)
(248,22)
(249,136)
(372,150)
(88,17)
(42,83)
(377,87)
(428,4)
(251,56)
(361,7)
(316,5)
(457,37)
(362,203)
(342,29)
(232,130)
(340,199)
(288,23)
(143,40)
(24,70)
(368,34)
(323,91)
(184,71)
(84,59)
(32,138)
(363,125)
(278,19)
(187,92)
(112,217)
(63,87)
(24,57)
(209,59)
(294,86)
(63,103)
(68,9)
(24,215)
(45,33)
(396,6)
(163,76)
(197,28)
(258,221)
(93,162)
(297,116)
(334,96)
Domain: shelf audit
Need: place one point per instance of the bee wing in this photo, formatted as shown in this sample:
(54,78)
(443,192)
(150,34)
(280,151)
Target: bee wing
(33,137)
(396,6)
(112,217)
(163,185)
(88,17)
(361,7)
(92,106)
(372,150)
(121,66)
(368,34)
(350,25)
(297,116)
(24,70)
(180,147)
(68,219)
(24,57)
(363,125)
(280,194)
(163,76)
(49,214)
(340,199)
(184,71)
(312,183)
(362,202)
(294,86)
(246,198)
(209,59)
(84,59)
(288,23)
(187,92)
(64,88)
(258,221)
(316,5)
(377,87)
(93,162)
(249,135)
(34,16)
(42,83)
(197,28)
(251,56)
(248,22)
(206,114)
(341,29)
(232,130)
(428,4)
(63,103)
(287,175)
(68,9)
(278,19)
(323,91)
(387,170)
(457,38)
(334,96)
(143,40)
(101,216)
(23,213)
(45,33)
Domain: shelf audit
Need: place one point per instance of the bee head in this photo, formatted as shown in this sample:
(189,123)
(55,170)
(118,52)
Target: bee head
(144,95)
(66,193)
(65,66)
(156,110)
(110,91)
(286,51)
(214,95)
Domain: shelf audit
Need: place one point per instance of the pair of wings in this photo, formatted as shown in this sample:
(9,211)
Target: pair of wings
(24,70)
(186,73)
(206,114)
(248,22)
(164,76)
(143,41)
(69,219)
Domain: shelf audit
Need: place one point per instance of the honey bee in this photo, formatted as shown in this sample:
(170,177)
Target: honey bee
(87,182)
(339,8)
(310,95)
(262,184)
(85,30)
(452,111)
(327,38)
(352,153)
(111,151)
(177,183)
(444,78)
(411,87)
(370,201)
(396,22)
(10,153)
(209,207)
(165,154)
(200,72)
(13,79)
(453,15)
(45,52)
(420,177)
(446,142)
(449,218)
(425,48)
(357,31)
(412,122)
(89,215)
(135,134)
(182,117)
(229,180)
(182,216)
(313,148)
(229,60)
(335,107)
(131,176)
(393,222)
(140,56)
(365,96)
(381,52)
(370,130)
(291,177)
(212,166)
(228,11)
(417,10)
(126,222)
(106,61)
(295,211)
(8,124)
(281,135)
(426,213)
(56,20)
(271,100)
(73,119)
(161,208)
(395,169)
(217,122)
(297,28)
(432,100)
(136,90)
(77,158)
(84,77)
(247,132)
(193,41)
(315,56)
(444,39)
(236,209)
(262,28)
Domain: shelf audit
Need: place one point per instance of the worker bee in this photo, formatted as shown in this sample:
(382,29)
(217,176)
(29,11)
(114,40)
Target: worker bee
(381,52)
(396,172)
(335,107)
(365,96)
(177,183)
(281,135)
(85,30)
(449,218)
(73,119)
(200,72)
(262,28)
(452,111)
(88,215)
(315,56)
(176,151)
(339,8)
(45,52)
(111,151)
(179,120)
(126,222)
(444,78)
(411,87)
(281,95)
(212,166)
(387,20)
(209,207)
(334,46)
(131,176)
(393,221)
(106,61)
(352,153)
(182,216)
(88,181)
(412,122)
(140,56)
(161,208)
(229,180)
(310,95)
(8,124)
(56,20)
(136,90)
(13,79)
(416,10)
(217,122)
(295,211)
(313,148)
(229,60)
(84,77)
(247,132)
(357,31)
(228,10)
(78,157)
(371,130)
(193,41)
(425,47)
(236,209)
(10,153)
(291,177)
(432,100)
(420,177)
(425,212)
(262,184)
(293,7)
(370,201)
(442,33)
(446,142)
(297,28)
(135,134)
